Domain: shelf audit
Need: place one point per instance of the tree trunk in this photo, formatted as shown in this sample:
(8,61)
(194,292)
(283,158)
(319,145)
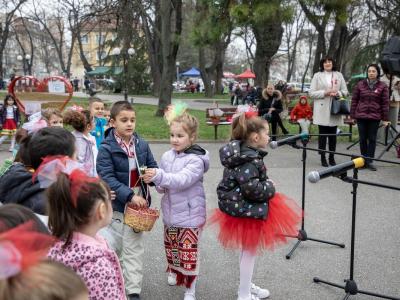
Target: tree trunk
(320,51)
(268,37)
(219,64)
(170,11)
(339,43)
(84,60)
(205,73)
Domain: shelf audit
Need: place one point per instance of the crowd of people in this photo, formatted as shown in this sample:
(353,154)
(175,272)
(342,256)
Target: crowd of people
(63,196)
(372,106)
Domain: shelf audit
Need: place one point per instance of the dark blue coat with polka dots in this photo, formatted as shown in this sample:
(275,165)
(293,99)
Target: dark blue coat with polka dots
(245,188)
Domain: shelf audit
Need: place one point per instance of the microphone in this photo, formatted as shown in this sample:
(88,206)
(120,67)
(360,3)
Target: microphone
(339,169)
(290,140)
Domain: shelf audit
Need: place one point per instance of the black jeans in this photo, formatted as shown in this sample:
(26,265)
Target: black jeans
(275,121)
(367,130)
(331,138)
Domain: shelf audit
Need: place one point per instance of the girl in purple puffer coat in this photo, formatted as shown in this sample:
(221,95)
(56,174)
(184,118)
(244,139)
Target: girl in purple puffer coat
(180,179)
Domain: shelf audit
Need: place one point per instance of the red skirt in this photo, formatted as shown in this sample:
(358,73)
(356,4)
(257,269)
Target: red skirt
(9,127)
(250,234)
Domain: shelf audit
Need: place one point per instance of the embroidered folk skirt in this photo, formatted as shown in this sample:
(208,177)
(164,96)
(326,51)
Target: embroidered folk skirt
(9,127)
(251,234)
(181,249)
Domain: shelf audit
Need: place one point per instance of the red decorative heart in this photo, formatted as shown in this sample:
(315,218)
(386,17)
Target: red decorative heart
(29,84)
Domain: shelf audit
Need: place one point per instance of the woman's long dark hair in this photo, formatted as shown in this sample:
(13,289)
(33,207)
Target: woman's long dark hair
(8,96)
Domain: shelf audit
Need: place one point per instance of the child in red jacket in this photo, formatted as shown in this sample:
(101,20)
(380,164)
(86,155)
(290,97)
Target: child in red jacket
(302,114)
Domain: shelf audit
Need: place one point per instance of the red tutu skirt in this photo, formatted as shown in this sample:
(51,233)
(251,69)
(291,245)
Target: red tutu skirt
(254,235)
(9,127)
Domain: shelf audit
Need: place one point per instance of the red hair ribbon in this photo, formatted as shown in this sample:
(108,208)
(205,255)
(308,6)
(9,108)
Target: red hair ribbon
(21,248)
(250,114)
(79,182)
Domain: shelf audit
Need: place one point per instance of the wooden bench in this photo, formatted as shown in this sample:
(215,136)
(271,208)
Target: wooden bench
(225,119)
(347,121)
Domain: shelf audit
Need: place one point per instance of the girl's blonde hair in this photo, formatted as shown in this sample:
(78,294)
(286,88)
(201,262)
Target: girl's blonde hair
(48,112)
(47,280)
(189,123)
(243,127)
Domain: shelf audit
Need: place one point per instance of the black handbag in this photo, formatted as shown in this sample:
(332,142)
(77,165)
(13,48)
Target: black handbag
(340,106)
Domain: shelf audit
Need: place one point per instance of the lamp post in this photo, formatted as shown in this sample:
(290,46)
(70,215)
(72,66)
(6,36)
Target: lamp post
(25,62)
(125,58)
(177,73)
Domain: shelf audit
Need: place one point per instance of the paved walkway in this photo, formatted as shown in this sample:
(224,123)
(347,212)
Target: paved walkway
(328,216)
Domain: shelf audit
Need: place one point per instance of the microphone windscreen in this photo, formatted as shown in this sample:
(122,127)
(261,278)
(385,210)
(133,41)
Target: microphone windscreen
(313,177)
(358,162)
(273,144)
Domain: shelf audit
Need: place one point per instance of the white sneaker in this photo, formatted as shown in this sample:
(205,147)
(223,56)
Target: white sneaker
(171,278)
(189,296)
(259,292)
(251,297)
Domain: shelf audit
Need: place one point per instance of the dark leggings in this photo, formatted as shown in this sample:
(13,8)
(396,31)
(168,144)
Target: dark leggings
(367,130)
(331,138)
(275,121)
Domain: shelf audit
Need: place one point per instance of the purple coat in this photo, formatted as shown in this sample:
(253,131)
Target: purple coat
(180,178)
(370,104)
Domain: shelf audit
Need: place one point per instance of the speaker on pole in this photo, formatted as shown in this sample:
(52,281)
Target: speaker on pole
(390,61)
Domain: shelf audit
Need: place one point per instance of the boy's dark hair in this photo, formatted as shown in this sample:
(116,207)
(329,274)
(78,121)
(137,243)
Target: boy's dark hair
(9,96)
(13,215)
(50,141)
(325,59)
(78,120)
(377,68)
(94,99)
(118,107)
(23,155)
(64,217)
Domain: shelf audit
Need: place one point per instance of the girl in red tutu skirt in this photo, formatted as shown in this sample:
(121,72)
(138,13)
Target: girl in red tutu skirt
(251,215)
(9,120)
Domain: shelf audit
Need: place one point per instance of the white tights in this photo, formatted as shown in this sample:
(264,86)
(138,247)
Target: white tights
(247,261)
(4,137)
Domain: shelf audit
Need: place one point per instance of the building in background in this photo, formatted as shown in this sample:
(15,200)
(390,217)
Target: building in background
(96,39)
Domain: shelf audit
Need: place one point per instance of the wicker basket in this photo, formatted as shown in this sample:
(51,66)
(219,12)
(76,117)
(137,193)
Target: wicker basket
(140,219)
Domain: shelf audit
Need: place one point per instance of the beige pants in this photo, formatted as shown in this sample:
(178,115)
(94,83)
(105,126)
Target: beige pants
(129,247)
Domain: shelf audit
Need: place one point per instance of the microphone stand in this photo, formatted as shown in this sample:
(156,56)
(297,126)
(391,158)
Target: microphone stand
(394,140)
(302,234)
(350,286)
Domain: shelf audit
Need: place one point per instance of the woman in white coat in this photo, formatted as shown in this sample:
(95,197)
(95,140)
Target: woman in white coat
(326,84)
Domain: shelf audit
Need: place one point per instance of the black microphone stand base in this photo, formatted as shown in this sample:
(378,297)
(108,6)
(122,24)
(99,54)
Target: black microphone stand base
(303,237)
(350,288)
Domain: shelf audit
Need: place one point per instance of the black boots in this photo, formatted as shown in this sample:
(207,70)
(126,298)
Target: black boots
(332,161)
(324,163)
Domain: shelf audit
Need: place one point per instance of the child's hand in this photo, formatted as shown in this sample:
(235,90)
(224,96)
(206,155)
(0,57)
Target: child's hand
(139,201)
(113,195)
(149,174)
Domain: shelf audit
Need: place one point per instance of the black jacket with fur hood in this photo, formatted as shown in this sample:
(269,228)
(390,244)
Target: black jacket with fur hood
(244,190)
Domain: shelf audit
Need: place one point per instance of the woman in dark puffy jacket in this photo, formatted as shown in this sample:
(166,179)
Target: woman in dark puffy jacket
(369,106)
(270,107)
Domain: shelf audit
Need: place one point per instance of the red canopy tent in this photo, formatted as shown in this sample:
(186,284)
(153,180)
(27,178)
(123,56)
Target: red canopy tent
(246,74)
